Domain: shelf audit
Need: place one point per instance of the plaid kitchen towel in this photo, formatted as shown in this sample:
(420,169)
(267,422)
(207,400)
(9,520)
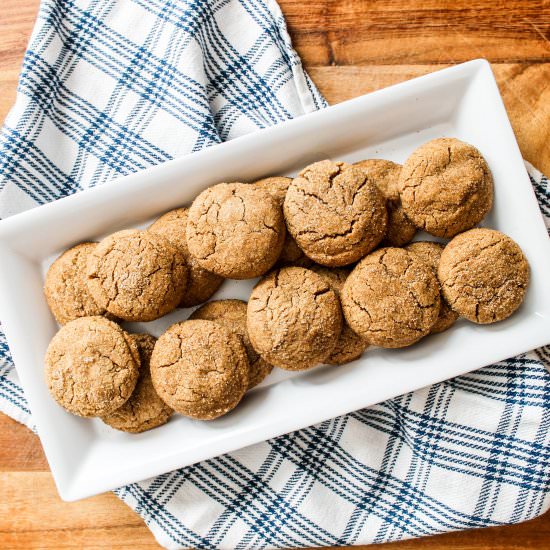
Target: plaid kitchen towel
(109,87)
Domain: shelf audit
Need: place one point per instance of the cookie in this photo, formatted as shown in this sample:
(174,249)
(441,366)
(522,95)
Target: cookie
(202,284)
(430,253)
(235,230)
(294,318)
(200,369)
(385,175)
(350,346)
(391,298)
(65,286)
(335,213)
(484,275)
(136,275)
(92,366)
(291,254)
(446,187)
(144,410)
(232,315)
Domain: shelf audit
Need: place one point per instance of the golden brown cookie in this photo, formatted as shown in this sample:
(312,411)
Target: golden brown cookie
(391,298)
(484,275)
(446,187)
(430,253)
(291,254)
(136,275)
(232,315)
(335,214)
(235,230)
(294,318)
(350,346)
(385,175)
(65,286)
(144,410)
(202,284)
(200,369)
(92,366)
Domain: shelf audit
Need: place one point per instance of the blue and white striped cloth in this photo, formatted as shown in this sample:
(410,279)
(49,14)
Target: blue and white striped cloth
(109,87)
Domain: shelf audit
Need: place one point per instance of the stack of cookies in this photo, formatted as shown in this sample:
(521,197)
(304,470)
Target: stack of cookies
(338,273)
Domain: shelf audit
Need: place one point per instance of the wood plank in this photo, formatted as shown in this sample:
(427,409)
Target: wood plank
(352,32)
(33,516)
(20,449)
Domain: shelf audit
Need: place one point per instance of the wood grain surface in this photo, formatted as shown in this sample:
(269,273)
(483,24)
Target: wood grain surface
(350,47)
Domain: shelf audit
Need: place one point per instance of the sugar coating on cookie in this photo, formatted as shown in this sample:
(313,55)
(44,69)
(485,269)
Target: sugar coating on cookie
(484,275)
(385,175)
(291,254)
(91,366)
(335,213)
(350,346)
(144,410)
(200,369)
(232,315)
(294,318)
(430,253)
(65,286)
(137,275)
(391,298)
(235,230)
(202,284)
(446,187)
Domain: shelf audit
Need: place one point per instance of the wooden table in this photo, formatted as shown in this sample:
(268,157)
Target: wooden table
(349,47)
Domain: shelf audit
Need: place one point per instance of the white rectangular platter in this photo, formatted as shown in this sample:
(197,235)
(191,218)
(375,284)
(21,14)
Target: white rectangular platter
(87,457)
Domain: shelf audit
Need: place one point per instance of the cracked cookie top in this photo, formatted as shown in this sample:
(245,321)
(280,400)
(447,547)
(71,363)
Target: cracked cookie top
(65,286)
(385,174)
(391,298)
(430,253)
(200,369)
(484,275)
(294,318)
(92,366)
(235,230)
(202,284)
(291,254)
(446,187)
(335,213)
(232,315)
(350,346)
(136,275)
(144,410)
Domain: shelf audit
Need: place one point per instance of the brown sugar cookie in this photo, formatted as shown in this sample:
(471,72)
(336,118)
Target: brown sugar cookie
(291,254)
(446,187)
(335,213)
(202,284)
(232,315)
(235,230)
(350,346)
(200,369)
(385,175)
(294,318)
(391,298)
(92,366)
(144,410)
(136,275)
(65,286)
(430,253)
(484,275)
